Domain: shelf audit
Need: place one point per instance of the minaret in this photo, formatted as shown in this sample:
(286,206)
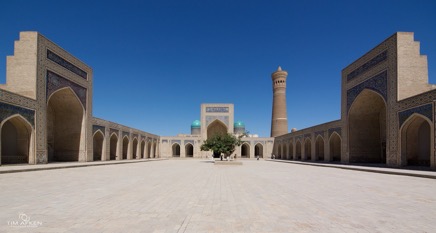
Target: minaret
(279,119)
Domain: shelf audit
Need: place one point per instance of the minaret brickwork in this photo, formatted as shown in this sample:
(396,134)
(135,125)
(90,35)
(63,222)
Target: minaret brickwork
(279,119)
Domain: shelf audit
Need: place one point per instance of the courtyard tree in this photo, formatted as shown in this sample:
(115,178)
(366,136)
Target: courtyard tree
(221,144)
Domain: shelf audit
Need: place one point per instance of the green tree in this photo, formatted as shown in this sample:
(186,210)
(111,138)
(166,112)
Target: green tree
(221,144)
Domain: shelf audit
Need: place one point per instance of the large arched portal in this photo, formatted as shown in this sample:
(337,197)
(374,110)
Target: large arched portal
(189,150)
(416,141)
(319,148)
(176,150)
(216,127)
(245,150)
(308,149)
(98,145)
(367,128)
(258,150)
(113,147)
(125,147)
(16,142)
(335,147)
(298,150)
(135,148)
(65,126)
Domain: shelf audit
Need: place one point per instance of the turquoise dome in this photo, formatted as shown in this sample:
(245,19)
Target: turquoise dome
(196,124)
(239,124)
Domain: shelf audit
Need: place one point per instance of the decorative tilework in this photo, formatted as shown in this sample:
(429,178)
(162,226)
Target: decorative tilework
(56,82)
(67,65)
(7,110)
(176,141)
(217,109)
(261,142)
(337,130)
(114,131)
(126,134)
(224,119)
(377,83)
(41,124)
(10,97)
(41,156)
(425,110)
(164,141)
(247,142)
(417,100)
(370,64)
(189,141)
(135,135)
(98,127)
(308,135)
(319,133)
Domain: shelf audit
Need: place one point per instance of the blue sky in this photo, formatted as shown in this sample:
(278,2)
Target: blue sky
(155,62)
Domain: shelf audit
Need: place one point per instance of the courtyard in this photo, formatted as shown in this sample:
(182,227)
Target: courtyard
(197,196)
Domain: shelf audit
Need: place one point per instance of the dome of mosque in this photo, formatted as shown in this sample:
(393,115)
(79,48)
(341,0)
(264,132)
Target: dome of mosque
(196,124)
(239,124)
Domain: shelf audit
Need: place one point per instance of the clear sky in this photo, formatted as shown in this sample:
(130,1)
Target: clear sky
(155,62)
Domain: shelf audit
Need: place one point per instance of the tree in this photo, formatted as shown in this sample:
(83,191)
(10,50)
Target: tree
(221,144)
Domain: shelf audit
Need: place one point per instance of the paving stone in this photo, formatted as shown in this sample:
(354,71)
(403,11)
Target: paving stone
(193,196)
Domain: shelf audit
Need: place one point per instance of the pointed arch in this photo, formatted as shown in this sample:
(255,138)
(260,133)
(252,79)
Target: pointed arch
(135,148)
(149,155)
(70,90)
(298,149)
(335,142)
(216,127)
(308,148)
(416,134)
(113,146)
(66,127)
(245,150)
(258,150)
(189,150)
(291,150)
(17,140)
(367,128)
(176,150)
(98,143)
(319,148)
(125,147)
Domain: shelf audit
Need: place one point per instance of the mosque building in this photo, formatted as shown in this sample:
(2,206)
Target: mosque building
(215,119)
(387,114)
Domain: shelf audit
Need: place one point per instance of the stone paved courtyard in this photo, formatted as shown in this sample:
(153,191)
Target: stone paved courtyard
(198,196)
